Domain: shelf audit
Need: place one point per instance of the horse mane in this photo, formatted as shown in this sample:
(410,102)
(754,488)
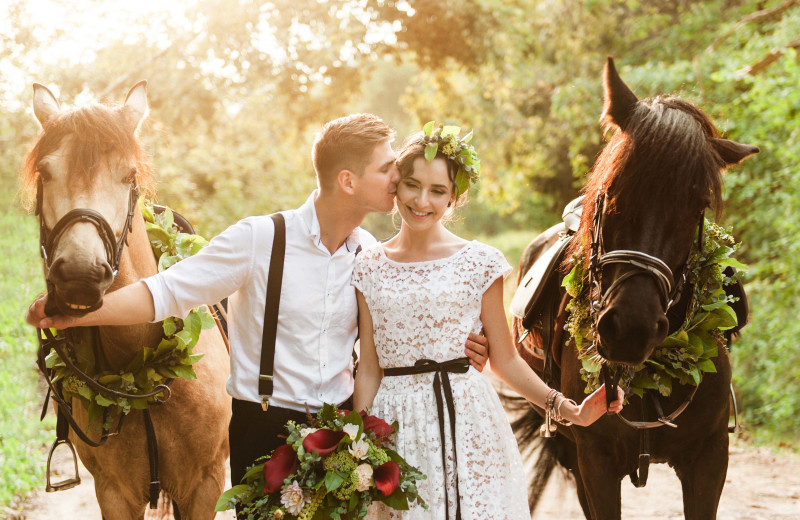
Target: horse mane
(96,129)
(660,161)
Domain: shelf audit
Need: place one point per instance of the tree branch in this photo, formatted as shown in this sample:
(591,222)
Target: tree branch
(769,59)
(758,16)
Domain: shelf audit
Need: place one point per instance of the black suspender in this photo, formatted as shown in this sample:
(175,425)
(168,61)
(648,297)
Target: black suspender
(273,301)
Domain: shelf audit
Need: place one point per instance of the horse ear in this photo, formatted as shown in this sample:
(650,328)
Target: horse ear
(45,104)
(136,104)
(619,100)
(733,152)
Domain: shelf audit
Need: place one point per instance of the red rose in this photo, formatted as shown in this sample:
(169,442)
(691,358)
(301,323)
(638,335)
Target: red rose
(379,427)
(387,477)
(282,464)
(322,441)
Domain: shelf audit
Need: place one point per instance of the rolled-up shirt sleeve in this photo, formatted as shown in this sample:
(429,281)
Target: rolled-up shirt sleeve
(216,272)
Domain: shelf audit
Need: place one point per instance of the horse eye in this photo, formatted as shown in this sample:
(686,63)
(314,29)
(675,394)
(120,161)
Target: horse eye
(44,171)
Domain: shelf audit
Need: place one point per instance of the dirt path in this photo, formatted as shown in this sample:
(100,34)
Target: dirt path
(760,486)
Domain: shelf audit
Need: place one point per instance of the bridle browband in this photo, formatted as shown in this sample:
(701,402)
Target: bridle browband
(113,247)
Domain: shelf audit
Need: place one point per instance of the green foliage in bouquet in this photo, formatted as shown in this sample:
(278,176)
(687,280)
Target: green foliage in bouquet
(685,355)
(171,358)
(334,467)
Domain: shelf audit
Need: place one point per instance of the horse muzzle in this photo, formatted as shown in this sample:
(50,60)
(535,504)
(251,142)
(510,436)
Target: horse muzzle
(629,339)
(76,290)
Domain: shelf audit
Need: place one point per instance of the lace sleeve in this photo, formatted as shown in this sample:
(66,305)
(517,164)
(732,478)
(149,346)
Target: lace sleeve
(494,266)
(362,269)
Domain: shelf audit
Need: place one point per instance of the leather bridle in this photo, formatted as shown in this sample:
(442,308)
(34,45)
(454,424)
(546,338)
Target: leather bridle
(641,264)
(113,248)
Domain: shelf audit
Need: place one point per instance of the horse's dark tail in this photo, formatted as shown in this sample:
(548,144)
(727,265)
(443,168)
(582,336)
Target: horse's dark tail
(525,424)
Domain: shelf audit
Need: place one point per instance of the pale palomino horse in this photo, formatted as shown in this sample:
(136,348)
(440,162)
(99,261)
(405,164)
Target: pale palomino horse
(90,158)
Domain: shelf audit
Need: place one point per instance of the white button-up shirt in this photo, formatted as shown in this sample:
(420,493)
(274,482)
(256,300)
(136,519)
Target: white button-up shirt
(317,325)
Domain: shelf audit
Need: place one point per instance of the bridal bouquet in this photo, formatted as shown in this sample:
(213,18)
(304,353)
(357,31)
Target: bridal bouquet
(333,467)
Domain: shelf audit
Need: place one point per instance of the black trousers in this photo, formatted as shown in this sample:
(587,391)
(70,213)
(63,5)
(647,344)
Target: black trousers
(253,433)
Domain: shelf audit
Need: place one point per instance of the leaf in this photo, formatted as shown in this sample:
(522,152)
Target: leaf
(707,365)
(109,379)
(207,321)
(590,365)
(679,338)
(462,181)
(252,472)
(147,210)
(430,151)
(193,324)
(334,479)
(451,130)
(95,412)
(428,128)
(396,500)
(102,401)
(466,139)
(166,261)
(227,499)
(170,327)
(184,372)
(732,262)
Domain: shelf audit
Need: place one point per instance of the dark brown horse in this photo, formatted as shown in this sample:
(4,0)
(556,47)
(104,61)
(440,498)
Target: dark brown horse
(643,203)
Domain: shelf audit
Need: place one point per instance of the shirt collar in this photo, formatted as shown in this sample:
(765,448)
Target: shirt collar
(308,216)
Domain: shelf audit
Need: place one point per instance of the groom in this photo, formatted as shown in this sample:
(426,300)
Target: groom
(317,326)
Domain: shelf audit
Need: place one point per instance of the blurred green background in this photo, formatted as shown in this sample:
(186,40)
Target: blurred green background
(237,89)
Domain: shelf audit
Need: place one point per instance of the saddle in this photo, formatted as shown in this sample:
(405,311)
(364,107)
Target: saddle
(538,289)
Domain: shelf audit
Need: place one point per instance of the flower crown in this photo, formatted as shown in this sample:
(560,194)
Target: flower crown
(445,139)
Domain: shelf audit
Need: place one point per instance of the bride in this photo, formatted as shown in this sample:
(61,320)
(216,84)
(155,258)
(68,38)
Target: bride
(419,295)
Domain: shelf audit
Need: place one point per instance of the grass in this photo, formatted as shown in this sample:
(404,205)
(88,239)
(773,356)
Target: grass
(23,439)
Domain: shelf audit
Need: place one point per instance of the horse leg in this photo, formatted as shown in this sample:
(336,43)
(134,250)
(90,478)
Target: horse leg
(602,495)
(116,501)
(205,492)
(702,477)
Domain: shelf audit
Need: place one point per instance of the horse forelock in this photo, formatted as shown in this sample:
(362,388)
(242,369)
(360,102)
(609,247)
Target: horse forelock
(94,131)
(662,161)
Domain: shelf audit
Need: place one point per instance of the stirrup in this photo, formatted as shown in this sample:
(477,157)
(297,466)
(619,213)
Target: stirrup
(65,484)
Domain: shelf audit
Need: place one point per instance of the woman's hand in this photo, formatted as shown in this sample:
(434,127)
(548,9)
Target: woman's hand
(592,408)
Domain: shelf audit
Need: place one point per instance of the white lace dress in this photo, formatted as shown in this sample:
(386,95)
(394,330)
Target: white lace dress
(425,310)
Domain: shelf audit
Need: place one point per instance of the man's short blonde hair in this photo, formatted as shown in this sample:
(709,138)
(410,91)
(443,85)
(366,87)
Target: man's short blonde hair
(347,143)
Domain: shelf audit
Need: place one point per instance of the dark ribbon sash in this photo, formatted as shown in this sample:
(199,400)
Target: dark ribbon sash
(440,381)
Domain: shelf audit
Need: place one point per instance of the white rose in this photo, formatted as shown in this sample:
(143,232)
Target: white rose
(359,449)
(351,430)
(364,472)
(307,431)
(293,498)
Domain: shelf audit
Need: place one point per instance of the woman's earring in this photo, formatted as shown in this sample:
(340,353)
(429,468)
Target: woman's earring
(449,203)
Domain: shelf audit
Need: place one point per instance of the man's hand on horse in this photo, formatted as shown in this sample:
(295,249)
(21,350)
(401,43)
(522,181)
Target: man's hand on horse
(477,350)
(37,317)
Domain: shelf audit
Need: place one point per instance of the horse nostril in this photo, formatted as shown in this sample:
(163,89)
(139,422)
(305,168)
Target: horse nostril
(607,326)
(661,329)
(56,271)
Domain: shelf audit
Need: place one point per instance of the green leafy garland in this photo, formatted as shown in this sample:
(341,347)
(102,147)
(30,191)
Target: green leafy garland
(688,353)
(445,139)
(171,358)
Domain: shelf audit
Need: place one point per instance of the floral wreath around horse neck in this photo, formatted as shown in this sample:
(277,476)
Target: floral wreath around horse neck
(171,358)
(444,139)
